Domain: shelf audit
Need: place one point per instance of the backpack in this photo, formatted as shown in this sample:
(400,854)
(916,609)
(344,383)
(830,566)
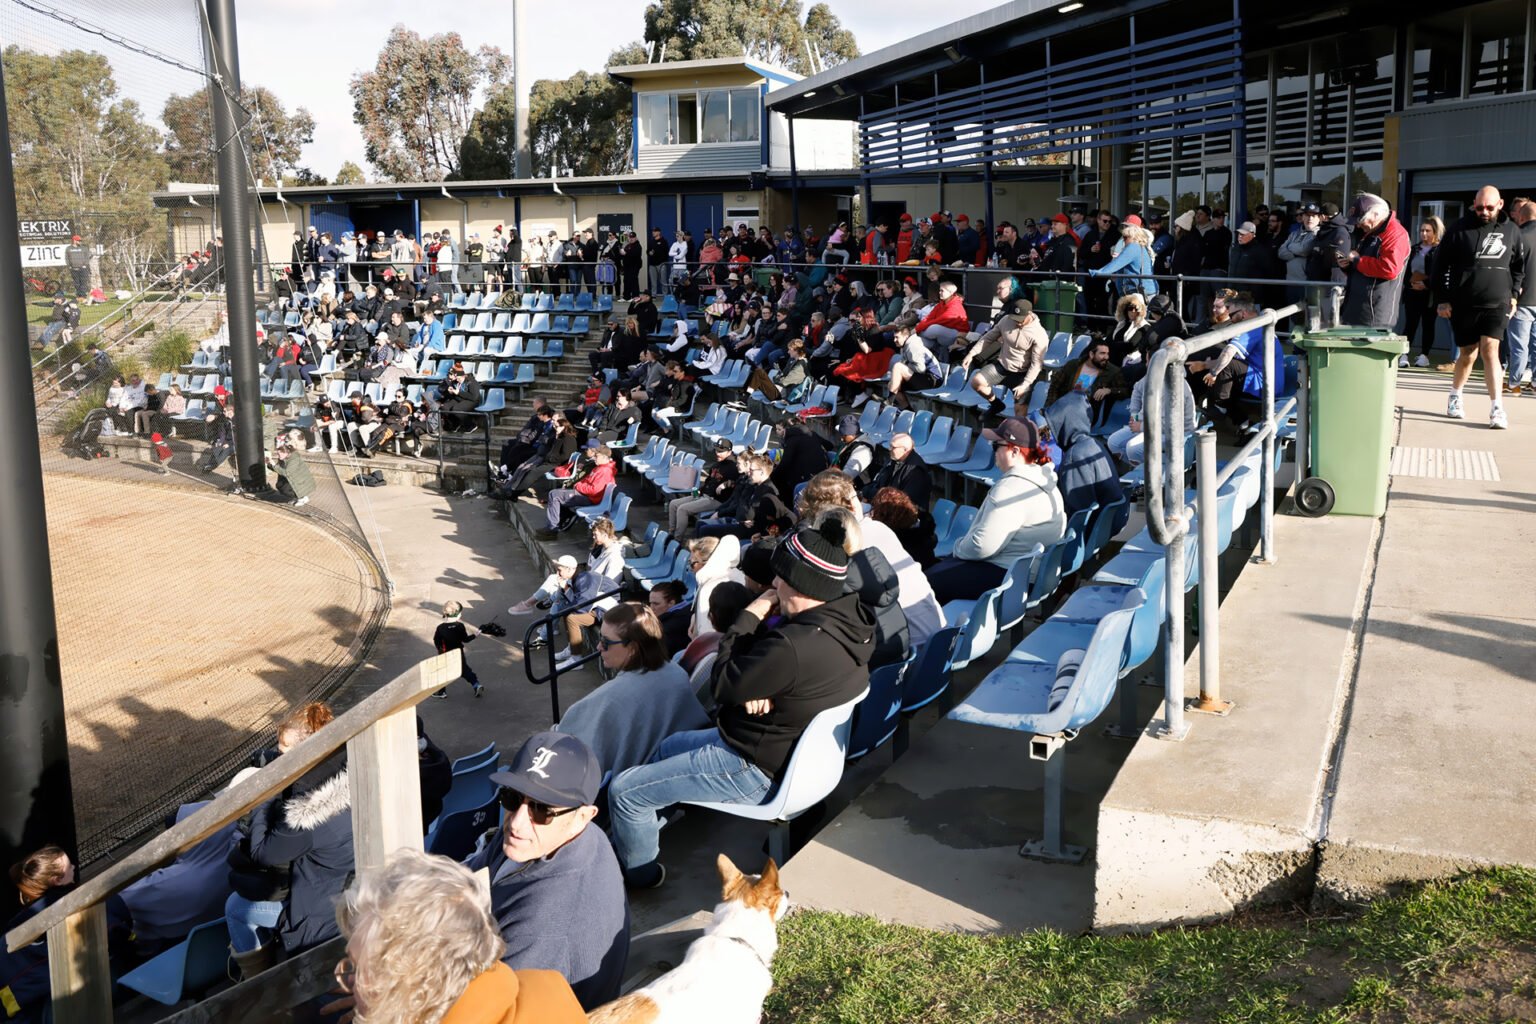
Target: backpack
(373,479)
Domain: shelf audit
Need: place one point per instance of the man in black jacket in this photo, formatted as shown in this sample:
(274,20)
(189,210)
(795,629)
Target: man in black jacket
(1480,268)
(905,470)
(461,395)
(1334,239)
(657,261)
(799,649)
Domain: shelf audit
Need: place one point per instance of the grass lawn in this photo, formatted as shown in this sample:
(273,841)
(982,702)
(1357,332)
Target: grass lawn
(40,308)
(1462,950)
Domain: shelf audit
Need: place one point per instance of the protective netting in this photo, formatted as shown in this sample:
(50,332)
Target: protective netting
(190,616)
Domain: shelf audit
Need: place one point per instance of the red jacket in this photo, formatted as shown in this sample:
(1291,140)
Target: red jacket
(904,245)
(949,314)
(596,482)
(1393,254)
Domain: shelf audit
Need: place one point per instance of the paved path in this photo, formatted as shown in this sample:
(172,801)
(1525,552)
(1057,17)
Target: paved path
(1436,770)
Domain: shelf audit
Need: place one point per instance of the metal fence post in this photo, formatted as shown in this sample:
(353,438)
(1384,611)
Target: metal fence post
(1207,502)
(1267,471)
(1167,520)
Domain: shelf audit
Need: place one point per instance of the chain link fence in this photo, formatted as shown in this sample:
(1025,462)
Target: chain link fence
(190,616)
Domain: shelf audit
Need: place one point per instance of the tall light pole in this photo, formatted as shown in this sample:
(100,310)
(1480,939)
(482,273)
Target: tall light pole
(523,165)
(235,217)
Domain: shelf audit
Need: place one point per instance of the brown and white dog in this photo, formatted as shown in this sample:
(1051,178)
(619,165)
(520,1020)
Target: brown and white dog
(724,978)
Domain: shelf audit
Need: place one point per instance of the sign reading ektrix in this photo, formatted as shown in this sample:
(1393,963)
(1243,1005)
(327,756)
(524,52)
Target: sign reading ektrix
(45,229)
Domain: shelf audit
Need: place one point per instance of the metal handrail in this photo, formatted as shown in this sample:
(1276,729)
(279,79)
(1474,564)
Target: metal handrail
(546,625)
(1169,517)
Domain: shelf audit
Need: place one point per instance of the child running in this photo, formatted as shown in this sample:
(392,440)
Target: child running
(452,635)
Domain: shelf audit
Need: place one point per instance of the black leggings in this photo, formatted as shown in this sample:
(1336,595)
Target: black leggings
(1420,316)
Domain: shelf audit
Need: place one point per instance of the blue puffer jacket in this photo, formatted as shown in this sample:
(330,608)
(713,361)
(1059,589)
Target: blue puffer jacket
(1138,261)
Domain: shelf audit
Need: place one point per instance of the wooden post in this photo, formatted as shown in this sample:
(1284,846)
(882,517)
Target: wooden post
(386,789)
(78,971)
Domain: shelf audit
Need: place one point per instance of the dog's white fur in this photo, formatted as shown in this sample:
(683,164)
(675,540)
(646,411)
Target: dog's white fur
(724,977)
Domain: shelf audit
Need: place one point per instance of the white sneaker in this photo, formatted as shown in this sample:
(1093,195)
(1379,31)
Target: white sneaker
(317,448)
(1453,407)
(1497,420)
(1402,360)
(1422,362)
(565,659)
(860,399)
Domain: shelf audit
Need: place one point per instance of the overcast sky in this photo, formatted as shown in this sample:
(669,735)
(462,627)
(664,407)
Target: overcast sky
(306,51)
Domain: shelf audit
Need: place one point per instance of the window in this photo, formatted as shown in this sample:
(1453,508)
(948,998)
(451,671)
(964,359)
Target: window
(1289,122)
(717,119)
(1498,48)
(1256,102)
(685,116)
(1365,175)
(733,115)
(1437,43)
(746,116)
(656,121)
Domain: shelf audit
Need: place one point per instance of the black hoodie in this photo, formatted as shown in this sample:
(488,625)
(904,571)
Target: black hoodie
(805,665)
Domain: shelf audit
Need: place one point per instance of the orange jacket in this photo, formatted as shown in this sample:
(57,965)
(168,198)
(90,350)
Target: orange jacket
(504,996)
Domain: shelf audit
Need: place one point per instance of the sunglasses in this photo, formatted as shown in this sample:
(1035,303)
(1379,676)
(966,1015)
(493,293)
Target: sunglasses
(538,813)
(603,643)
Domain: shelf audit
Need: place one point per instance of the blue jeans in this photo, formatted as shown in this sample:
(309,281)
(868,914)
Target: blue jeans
(1522,341)
(687,766)
(248,920)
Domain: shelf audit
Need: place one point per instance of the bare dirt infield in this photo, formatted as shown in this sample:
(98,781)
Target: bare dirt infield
(188,622)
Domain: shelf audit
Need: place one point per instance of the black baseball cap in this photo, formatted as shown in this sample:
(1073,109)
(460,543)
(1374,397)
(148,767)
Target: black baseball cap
(848,426)
(1021,307)
(554,768)
(1012,431)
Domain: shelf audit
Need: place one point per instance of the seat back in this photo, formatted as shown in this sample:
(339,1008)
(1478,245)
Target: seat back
(959,444)
(964,516)
(207,956)
(1013,601)
(469,761)
(875,719)
(456,833)
(1106,524)
(1094,686)
(472,784)
(921,428)
(620,512)
(1048,576)
(929,676)
(1147,623)
(978,633)
(1077,529)
(870,416)
(943,514)
(816,765)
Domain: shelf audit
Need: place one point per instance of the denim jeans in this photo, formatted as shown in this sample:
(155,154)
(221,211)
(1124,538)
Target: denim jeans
(687,766)
(248,919)
(1522,341)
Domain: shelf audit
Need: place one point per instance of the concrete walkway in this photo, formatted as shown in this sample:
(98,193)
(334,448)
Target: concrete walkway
(1436,771)
(1383,676)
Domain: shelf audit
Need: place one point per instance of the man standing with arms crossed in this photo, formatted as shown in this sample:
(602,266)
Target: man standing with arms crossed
(1479,271)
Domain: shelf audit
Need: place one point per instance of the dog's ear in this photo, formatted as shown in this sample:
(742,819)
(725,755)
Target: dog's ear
(729,874)
(770,875)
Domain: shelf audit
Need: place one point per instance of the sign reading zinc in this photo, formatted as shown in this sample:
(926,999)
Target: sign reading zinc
(46,229)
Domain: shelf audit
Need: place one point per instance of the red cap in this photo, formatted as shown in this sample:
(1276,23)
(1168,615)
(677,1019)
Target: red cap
(937,218)
(962,219)
(75,237)
(906,216)
(220,390)
(1133,220)
(1061,218)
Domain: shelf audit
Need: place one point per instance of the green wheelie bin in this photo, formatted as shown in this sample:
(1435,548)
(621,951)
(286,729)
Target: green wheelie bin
(1055,303)
(1353,374)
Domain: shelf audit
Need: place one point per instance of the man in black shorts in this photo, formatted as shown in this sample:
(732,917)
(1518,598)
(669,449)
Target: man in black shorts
(1479,268)
(1012,355)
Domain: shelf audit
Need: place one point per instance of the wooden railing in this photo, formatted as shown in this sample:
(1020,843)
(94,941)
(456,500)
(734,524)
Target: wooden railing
(380,736)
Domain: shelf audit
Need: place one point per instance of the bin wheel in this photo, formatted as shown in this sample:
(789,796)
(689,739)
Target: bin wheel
(1314,497)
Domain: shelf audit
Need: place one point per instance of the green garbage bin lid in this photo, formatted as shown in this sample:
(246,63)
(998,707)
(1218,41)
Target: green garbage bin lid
(1371,339)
